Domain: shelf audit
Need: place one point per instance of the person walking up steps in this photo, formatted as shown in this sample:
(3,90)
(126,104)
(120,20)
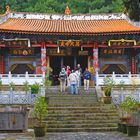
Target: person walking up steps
(63,78)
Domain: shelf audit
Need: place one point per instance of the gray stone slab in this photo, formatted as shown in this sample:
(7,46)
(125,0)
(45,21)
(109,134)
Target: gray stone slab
(69,136)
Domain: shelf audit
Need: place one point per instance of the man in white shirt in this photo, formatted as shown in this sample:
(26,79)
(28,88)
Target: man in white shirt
(73,83)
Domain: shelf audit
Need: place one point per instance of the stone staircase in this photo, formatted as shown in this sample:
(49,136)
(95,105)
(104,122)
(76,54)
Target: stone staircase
(79,113)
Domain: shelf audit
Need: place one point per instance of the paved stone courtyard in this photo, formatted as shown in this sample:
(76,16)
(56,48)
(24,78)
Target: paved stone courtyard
(69,136)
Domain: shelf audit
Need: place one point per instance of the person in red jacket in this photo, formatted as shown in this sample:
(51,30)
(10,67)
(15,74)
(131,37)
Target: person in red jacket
(68,73)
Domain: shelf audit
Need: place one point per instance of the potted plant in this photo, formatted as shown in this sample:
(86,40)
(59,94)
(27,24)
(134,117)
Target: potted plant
(40,113)
(130,105)
(124,117)
(108,85)
(35,88)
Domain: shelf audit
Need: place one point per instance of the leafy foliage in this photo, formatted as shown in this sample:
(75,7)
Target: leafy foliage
(26,86)
(76,6)
(40,109)
(35,88)
(12,86)
(108,85)
(58,6)
(133,8)
(129,105)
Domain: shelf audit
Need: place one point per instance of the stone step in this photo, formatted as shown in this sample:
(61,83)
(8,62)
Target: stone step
(82,103)
(80,121)
(58,95)
(84,125)
(81,117)
(80,90)
(85,112)
(77,113)
(72,98)
(51,104)
(99,129)
(81,108)
(58,87)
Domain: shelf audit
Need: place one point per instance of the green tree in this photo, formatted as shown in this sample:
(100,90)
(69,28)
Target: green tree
(76,6)
(133,9)
(2,6)
(46,6)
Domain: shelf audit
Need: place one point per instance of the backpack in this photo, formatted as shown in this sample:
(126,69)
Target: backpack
(62,75)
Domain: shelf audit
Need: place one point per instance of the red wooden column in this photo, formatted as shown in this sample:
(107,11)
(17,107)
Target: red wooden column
(43,57)
(2,62)
(95,58)
(133,65)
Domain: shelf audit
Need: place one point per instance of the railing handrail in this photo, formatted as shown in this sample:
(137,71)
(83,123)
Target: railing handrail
(20,79)
(127,78)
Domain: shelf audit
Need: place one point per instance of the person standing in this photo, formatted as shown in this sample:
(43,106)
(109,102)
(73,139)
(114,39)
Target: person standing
(79,69)
(73,83)
(63,77)
(87,77)
(68,73)
(78,74)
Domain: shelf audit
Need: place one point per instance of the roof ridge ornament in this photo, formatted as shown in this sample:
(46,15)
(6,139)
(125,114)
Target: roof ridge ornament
(67,11)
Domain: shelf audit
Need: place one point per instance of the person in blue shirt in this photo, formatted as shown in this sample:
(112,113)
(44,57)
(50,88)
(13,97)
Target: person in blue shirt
(86,77)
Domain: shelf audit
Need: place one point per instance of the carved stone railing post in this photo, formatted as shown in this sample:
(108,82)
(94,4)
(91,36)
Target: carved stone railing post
(113,76)
(27,76)
(10,76)
(130,78)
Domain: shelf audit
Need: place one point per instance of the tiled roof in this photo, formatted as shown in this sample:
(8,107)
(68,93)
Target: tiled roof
(40,26)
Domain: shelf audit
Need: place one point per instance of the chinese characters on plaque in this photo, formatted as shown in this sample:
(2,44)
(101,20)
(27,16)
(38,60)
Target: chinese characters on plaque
(69,43)
(17,43)
(22,52)
(54,52)
(122,42)
(113,51)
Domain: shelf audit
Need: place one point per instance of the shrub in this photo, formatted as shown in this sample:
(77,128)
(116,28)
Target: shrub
(40,109)
(35,88)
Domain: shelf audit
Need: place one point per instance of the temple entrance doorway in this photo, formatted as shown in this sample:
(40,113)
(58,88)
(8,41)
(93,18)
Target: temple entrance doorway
(83,61)
(69,61)
(57,62)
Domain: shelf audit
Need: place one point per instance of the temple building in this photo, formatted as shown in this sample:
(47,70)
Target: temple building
(32,41)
